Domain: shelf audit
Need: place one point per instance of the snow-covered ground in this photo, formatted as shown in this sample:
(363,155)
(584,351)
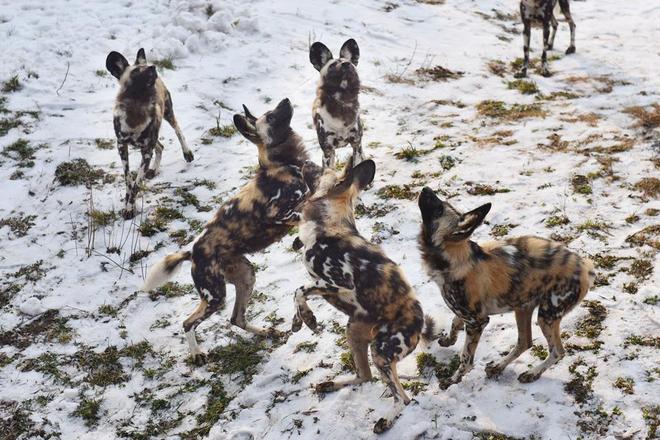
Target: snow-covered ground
(85,356)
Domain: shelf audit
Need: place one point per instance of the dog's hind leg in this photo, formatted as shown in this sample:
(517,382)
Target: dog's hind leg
(171,119)
(552,334)
(545,69)
(240,273)
(555,25)
(524,323)
(527,30)
(155,165)
(358,335)
(356,143)
(566,11)
(449,340)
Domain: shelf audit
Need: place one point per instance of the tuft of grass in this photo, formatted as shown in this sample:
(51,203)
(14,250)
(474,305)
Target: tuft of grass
(158,220)
(225,131)
(648,119)
(12,85)
(581,386)
(641,269)
(48,364)
(101,218)
(19,225)
(103,369)
(171,289)
(307,347)
(20,151)
(497,67)
(539,351)
(592,325)
(426,362)
(501,230)
(88,410)
(485,190)
(526,87)
(241,357)
(557,220)
(347,362)
(625,384)
(375,210)
(447,162)
(104,144)
(499,110)
(652,300)
(79,172)
(649,186)
(401,192)
(605,261)
(594,228)
(642,341)
(651,415)
(164,64)
(650,236)
(415,387)
(410,153)
(438,73)
(581,184)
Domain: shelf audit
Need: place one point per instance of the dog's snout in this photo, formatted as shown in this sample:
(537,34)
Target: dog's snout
(346,65)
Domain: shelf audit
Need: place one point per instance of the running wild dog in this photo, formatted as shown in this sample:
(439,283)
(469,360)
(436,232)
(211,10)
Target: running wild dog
(262,212)
(336,109)
(517,274)
(142,103)
(541,12)
(357,278)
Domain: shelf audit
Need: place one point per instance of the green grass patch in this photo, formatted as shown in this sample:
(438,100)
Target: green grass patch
(19,225)
(20,151)
(79,172)
(164,64)
(400,192)
(104,144)
(11,85)
(526,87)
(499,110)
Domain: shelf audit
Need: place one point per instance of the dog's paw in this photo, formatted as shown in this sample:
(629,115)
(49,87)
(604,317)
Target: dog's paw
(528,376)
(199,359)
(493,370)
(325,387)
(297,244)
(382,425)
(546,73)
(520,74)
(570,50)
(188,155)
(150,174)
(296,324)
(444,340)
(127,213)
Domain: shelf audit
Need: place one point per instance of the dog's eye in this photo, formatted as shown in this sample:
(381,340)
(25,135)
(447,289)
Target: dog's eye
(270,118)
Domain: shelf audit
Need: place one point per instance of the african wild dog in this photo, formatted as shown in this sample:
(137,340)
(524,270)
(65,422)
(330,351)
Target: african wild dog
(262,212)
(142,103)
(336,109)
(517,274)
(357,278)
(541,12)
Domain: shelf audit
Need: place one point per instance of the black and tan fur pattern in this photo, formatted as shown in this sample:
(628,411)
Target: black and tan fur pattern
(336,110)
(262,212)
(517,274)
(541,13)
(142,103)
(357,278)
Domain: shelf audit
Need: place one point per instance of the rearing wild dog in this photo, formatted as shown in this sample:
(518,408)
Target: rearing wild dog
(336,109)
(517,274)
(357,278)
(262,212)
(541,12)
(142,103)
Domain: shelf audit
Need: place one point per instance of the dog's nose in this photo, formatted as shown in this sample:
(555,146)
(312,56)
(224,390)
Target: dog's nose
(346,65)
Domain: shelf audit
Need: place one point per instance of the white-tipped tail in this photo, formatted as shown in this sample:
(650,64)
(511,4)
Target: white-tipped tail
(165,269)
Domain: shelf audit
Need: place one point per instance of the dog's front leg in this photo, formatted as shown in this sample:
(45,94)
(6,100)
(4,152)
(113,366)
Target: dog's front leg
(522,73)
(325,143)
(131,197)
(473,330)
(153,170)
(356,143)
(303,311)
(122,148)
(545,70)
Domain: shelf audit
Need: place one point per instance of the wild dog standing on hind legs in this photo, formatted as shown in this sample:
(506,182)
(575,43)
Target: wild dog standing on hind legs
(142,103)
(262,212)
(535,12)
(517,274)
(336,109)
(357,278)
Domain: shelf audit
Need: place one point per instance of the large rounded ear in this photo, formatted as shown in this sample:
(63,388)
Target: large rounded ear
(141,58)
(469,222)
(246,128)
(250,117)
(363,173)
(116,64)
(350,51)
(319,55)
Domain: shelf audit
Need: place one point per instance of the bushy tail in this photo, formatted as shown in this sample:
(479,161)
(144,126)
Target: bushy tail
(428,330)
(164,270)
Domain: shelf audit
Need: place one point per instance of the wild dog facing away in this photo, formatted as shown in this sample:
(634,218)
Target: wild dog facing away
(336,110)
(262,212)
(141,104)
(357,278)
(517,274)
(541,13)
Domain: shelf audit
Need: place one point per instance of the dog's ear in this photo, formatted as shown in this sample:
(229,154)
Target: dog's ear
(311,175)
(350,51)
(469,222)
(363,173)
(246,128)
(250,117)
(319,55)
(141,58)
(116,63)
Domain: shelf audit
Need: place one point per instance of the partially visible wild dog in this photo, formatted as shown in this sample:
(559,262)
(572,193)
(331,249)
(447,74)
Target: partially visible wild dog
(541,12)
(517,274)
(142,103)
(336,109)
(262,212)
(357,278)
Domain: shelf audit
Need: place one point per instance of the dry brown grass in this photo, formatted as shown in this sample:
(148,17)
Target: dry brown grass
(649,186)
(498,109)
(646,118)
(591,119)
(497,67)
